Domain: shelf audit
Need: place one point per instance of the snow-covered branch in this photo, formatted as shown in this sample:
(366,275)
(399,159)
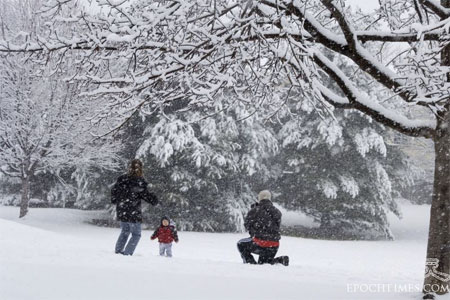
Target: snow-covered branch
(356,100)
(409,37)
(437,8)
(144,55)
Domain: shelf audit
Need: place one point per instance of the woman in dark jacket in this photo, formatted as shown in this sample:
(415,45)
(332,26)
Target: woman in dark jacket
(128,193)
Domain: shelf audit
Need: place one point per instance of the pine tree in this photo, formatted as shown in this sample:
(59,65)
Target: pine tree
(336,171)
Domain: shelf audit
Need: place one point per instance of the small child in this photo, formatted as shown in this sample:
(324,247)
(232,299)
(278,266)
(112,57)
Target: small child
(166,234)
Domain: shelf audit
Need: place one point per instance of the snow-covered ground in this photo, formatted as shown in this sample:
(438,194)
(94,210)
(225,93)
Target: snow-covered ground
(55,254)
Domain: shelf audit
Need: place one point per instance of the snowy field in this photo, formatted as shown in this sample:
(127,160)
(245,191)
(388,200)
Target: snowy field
(55,254)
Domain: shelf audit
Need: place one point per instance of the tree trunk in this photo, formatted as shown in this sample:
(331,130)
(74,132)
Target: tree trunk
(437,274)
(25,196)
(438,252)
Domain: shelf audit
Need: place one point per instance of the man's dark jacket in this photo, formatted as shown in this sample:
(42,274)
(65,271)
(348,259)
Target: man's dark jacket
(127,193)
(263,221)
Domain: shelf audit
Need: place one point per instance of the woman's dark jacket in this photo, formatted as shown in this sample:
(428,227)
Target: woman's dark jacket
(127,193)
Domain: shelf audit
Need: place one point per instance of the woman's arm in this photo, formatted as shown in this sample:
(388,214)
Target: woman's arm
(147,195)
(155,234)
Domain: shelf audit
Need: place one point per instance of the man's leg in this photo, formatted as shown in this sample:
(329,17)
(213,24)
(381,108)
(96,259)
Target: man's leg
(266,255)
(246,247)
(123,237)
(134,240)
(284,260)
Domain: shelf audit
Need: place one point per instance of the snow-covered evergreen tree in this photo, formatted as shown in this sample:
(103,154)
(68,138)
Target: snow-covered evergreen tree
(336,170)
(203,163)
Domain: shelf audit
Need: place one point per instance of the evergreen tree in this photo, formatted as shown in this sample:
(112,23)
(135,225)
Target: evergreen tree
(203,164)
(336,171)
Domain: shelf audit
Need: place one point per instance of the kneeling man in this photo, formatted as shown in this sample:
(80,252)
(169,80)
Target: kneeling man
(263,223)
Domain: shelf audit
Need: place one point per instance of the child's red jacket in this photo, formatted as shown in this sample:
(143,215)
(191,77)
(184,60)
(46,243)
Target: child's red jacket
(165,234)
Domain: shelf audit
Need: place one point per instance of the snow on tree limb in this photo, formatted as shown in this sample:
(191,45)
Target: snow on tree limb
(186,48)
(356,100)
(363,58)
(352,48)
(377,36)
(437,8)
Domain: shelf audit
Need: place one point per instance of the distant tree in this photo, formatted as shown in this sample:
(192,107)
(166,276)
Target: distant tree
(44,122)
(44,129)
